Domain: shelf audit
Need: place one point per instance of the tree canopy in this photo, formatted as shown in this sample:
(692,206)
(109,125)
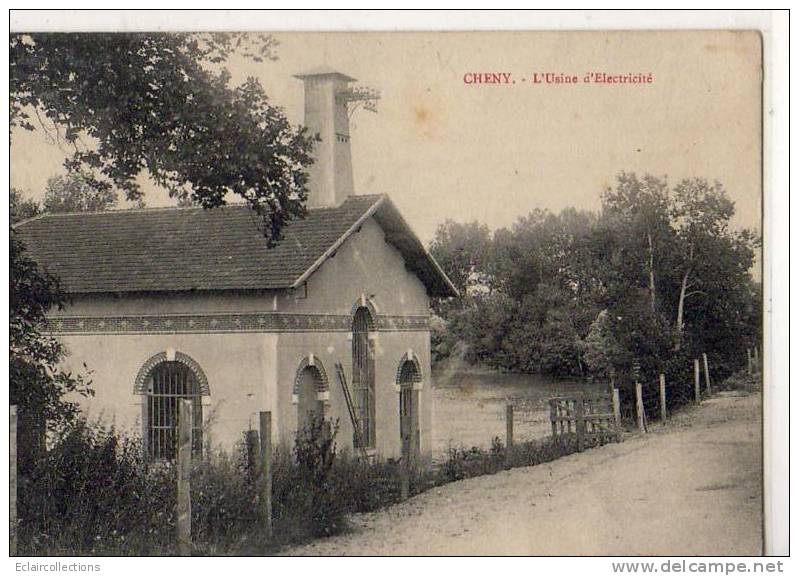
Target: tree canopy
(656,275)
(22,208)
(163,104)
(75,193)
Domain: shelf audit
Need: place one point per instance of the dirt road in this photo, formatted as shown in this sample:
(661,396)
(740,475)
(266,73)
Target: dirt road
(691,487)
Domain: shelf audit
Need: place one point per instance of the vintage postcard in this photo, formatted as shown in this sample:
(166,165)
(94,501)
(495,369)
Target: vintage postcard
(425,293)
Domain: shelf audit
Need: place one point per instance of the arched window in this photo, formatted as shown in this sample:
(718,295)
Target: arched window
(166,384)
(310,391)
(363,373)
(408,376)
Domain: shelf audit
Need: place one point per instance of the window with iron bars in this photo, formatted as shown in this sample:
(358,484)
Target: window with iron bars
(363,380)
(170,382)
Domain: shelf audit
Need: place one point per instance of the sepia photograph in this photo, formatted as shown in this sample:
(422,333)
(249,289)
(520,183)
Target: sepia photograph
(386,293)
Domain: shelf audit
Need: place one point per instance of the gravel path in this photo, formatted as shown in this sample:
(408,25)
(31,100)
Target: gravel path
(691,487)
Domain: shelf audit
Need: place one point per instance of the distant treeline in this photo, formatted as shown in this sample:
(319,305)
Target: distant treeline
(655,278)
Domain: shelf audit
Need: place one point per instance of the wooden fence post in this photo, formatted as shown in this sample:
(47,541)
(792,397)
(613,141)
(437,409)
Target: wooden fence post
(697,391)
(749,361)
(639,407)
(580,421)
(508,432)
(509,426)
(617,414)
(405,480)
(662,386)
(12,480)
(553,416)
(707,373)
(253,446)
(265,424)
(184,477)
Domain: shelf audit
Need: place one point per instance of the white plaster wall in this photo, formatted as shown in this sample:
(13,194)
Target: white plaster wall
(329,348)
(177,303)
(365,264)
(241,372)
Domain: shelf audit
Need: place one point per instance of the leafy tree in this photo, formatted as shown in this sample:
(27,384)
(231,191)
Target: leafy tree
(640,205)
(601,349)
(543,338)
(75,193)
(483,328)
(538,305)
(519,261)
(675,246)
(656,279)
(22,208)
(38,386)
(462,250)
(701,212)
(163,103)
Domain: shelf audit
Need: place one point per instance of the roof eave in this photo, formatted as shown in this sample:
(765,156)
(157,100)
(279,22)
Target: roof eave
(337,244)
(450,290)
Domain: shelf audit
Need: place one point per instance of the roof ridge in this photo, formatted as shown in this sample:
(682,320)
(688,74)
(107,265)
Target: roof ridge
(134,210)
(130,210)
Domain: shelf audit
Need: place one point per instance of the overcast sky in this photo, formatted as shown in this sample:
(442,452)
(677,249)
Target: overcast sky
(445,149)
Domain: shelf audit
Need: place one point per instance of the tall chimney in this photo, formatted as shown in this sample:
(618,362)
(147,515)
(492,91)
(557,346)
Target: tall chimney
(330,176)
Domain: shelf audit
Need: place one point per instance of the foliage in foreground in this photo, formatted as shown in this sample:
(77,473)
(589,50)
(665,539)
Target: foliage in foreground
(95,493)
(463,463)
(39,386)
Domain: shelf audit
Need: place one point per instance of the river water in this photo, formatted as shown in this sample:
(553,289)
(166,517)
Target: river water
(469,406)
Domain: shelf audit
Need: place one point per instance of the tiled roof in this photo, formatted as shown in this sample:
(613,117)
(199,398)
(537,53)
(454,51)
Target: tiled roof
(180,249)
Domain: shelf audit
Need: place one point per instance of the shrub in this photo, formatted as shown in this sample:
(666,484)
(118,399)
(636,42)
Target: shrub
(96,492)
(463,463)
(364,487)
(741,380)
(93,493)
(225,509)
(305,487)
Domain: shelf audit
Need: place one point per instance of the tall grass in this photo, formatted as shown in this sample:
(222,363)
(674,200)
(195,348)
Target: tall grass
(463,463)
(96,492)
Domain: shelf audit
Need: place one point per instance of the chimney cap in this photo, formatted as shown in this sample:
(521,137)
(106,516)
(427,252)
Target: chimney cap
(324,71)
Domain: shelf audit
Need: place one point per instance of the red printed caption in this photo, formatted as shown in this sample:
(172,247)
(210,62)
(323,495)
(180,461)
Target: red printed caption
(561,78)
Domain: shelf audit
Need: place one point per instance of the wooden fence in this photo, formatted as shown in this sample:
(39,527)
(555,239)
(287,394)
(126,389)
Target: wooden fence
(653,400)
(596,419)
(753,362)
(589,419)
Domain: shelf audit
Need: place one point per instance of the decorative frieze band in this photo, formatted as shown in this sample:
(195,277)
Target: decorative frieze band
(202,323)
